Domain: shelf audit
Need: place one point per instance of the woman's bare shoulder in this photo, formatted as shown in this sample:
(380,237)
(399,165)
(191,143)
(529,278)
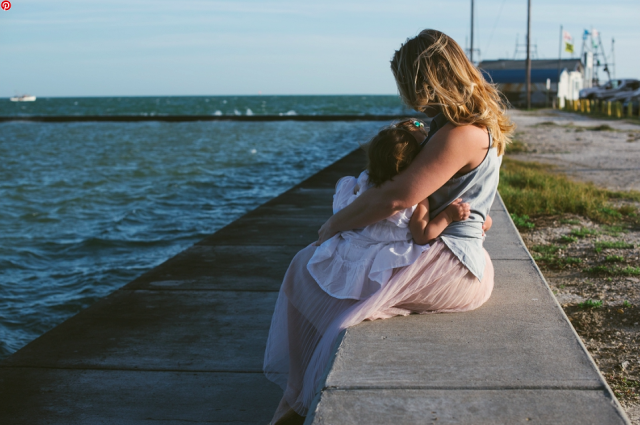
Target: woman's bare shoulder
(468,135)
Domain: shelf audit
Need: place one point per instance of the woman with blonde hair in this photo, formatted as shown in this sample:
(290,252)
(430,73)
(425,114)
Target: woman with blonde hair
(460,158)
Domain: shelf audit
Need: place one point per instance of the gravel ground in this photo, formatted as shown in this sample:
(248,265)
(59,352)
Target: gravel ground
(609,158)
(603,304)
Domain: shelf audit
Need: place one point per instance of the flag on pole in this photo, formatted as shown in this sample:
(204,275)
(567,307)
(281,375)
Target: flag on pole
(585,34)
(568,41)
(568,47)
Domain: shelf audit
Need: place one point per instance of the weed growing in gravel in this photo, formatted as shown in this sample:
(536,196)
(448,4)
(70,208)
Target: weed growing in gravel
(625,389)
(613,271)
(583,232)
(522,221)
(599,246)
(590,304)
(570,260)
(614,259)
(544,255)
(546,249)
(626,304)
(613,230)
(567,239)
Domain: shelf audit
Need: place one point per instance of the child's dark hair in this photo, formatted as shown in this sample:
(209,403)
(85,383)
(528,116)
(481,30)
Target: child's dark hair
(392,150)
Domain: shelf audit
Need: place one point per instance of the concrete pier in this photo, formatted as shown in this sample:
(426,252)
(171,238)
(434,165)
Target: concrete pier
(184,342)
(514,360)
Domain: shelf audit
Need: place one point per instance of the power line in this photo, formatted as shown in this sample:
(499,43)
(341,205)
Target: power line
(495,25)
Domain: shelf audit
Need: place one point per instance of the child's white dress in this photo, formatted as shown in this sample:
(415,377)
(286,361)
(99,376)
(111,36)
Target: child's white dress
(357,263)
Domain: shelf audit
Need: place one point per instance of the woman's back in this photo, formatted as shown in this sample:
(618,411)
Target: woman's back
(477,187)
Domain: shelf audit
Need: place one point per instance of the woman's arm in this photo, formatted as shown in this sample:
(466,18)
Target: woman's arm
(423,230)
(450,150)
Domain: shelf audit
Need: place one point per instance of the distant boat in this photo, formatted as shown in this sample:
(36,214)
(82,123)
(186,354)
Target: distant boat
(23,98)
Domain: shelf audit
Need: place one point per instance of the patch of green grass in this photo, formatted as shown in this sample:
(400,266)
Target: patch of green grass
(614,271)
(614,259)
(551,261)
(545,124)
(613,230)
(517,146)
(570,261)
(522,221)
(529,188)
(631,195)
(546,249)
(611,212)
(583,232)
(627,210)
(588,304)
(567,239)
(599,246)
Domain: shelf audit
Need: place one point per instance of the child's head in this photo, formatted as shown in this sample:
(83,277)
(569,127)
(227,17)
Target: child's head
(393,149)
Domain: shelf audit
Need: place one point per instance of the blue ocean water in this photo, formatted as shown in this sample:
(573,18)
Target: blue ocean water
(87,207)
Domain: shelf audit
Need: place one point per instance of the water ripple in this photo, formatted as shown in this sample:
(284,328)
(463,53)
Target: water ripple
(87,207)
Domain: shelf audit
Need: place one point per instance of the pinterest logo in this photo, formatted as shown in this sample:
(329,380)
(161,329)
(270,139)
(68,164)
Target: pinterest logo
(5,5)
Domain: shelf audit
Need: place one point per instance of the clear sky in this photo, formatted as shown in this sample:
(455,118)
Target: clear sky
(198,47)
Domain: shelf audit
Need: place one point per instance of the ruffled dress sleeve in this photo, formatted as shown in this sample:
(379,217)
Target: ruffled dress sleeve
(345,193)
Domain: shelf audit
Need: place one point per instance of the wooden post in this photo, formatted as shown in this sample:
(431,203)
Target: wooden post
(630,109)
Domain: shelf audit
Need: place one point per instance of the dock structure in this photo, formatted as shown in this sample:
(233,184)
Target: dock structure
(184,343)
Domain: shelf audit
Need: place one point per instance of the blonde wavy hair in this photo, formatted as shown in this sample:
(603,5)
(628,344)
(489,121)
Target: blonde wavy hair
(432,70)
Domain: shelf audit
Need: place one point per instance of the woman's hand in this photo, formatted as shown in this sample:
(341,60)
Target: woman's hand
(326,232)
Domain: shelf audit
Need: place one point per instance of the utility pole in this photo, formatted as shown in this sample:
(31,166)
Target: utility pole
(471,48)
(613,57)
(528,70)
(560,54)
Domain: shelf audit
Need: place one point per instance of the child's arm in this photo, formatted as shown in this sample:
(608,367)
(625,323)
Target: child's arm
(424,230)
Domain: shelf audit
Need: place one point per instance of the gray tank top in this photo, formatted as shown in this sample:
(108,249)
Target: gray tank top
(478,188)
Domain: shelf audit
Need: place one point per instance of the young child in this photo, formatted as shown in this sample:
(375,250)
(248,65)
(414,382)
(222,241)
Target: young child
(357,263)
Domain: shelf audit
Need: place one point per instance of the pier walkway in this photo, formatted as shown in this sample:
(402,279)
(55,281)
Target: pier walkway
(184,342)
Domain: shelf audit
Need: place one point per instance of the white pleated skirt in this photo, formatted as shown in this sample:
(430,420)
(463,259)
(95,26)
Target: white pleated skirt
(307,320)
